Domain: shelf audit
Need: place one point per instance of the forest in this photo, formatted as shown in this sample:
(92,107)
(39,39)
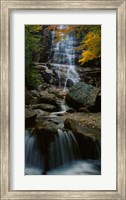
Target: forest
(62,99)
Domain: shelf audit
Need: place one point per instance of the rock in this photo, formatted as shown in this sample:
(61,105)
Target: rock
(45,136)
(30,99)
(70,110)
(47,76)
(82,95)
(83,109)
(40,113)
(69,83)
(35,93)
(30,117)
(55,120)
(47,97)
(90,72)
(43,86)
(89,139)
(97,107)
(41,67)
(45,107)
(49,128)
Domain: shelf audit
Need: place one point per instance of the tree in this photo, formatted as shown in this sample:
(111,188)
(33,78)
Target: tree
(90,36)
(32,48)
(91,47)
(32,42)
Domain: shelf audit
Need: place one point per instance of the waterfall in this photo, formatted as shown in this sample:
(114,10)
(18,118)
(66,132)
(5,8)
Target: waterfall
(64,59)
(33,159)
(62,150)
(63,156)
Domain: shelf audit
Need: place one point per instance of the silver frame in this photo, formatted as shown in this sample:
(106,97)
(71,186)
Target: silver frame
(120,7)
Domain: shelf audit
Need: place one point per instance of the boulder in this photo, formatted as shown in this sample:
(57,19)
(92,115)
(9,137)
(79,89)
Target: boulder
(83,109)
(82,95)
(45,107)
(40,113)
(30,117)
(35,93)
(89,139)
(47,76)
(40,67)
(43,86)
(69,83)
(29,98)
(47,97)
(45,134)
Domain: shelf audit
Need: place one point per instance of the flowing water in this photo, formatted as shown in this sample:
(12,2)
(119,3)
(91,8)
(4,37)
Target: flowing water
(64,149)
(63,156)
(64,59)
(33,157)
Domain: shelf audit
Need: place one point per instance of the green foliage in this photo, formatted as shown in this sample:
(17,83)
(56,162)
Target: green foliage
(32,43)
(32,48)
(32,78)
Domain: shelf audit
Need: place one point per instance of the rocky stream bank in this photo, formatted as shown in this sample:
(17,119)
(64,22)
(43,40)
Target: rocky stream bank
(52,111)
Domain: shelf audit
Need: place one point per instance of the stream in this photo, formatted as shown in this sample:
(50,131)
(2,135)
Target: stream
(64,157)
(59,153)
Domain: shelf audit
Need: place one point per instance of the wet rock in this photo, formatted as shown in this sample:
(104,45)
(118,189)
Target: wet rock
(83,109)
(90,72)
(49,128)
(45,107)
(35,93)
(55,120)
(82,95)
(40,113)
(47,97)
(70,110)
(47,76)
(97,107)
(29,98)
(45,136)
(69,83)
(40,67)
(89,139)
(30,117)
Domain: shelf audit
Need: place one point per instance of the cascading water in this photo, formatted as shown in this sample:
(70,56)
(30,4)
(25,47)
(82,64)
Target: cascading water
(33,159)
(64,59)
(64,149)
(63,156)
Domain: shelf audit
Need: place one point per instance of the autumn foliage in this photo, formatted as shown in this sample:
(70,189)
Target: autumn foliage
(90,35)
(91,45)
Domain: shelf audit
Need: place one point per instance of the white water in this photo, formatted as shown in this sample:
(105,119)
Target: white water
(64,59)
(32,154)
(64,157)
(63,107)
(79,167)
(64,149)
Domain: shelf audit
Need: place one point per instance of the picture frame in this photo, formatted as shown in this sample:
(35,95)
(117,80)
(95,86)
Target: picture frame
(6,7)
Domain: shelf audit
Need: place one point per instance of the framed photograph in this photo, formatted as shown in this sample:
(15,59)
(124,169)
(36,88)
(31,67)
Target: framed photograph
(63,109)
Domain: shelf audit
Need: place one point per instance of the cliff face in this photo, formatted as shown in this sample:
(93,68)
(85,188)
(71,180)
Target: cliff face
(90,72)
